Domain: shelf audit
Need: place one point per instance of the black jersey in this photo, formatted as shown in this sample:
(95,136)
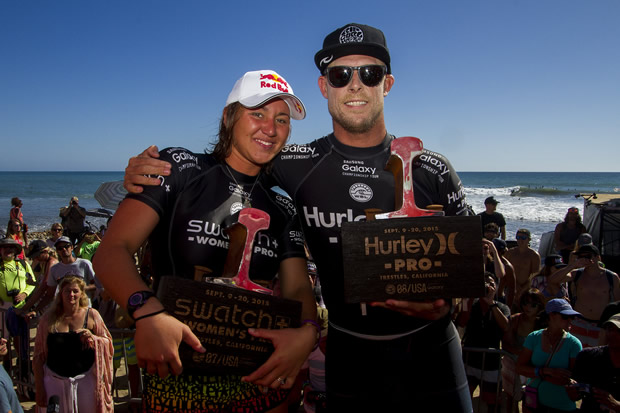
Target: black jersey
(331,183)
(198,201)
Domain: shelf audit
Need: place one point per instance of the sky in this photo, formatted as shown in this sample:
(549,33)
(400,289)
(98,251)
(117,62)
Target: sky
(521,85)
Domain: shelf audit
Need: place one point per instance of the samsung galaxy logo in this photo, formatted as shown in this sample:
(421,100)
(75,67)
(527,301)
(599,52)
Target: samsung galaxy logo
(294,148)
(437,163)
(360,192)
(183,156)
(359,169)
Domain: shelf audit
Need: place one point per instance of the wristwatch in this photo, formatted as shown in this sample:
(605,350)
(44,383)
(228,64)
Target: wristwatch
(137,300)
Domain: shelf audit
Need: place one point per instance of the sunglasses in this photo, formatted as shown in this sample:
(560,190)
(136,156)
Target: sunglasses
(521,237)
(567,317)
(57,229)
(573,210)
(63,247)
(370,75)
(586,256)
(533,304)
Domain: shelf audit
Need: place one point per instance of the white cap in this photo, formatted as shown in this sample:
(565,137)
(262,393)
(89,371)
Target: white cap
(256,88)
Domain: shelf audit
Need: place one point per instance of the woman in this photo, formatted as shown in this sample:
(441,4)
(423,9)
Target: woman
(543,283)
(567,232)
(16,213)
(45,257)
(73,353)
(14,231)
(192,206)
(521,324)
(548,357)
(56,232)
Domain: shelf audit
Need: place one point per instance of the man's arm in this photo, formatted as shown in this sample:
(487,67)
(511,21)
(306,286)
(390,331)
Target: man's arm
(503,232)
(140,167)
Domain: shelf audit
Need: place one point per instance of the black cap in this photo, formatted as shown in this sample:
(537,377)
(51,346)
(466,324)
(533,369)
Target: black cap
(588,249)
(491,200)
(35,248)
(351,39)
(500,244)
(554,260)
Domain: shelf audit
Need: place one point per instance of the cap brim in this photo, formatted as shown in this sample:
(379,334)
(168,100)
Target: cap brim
(569,312)
(296,107)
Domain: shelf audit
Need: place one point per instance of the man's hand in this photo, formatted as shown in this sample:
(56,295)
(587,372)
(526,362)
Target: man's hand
(157,344)
(292,347)
(139,167)
(428,310)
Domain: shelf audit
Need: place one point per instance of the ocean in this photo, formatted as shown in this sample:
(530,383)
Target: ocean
(533,200)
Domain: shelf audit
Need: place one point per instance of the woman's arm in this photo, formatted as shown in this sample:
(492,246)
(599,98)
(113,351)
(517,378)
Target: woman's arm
(292,345)
(157,338)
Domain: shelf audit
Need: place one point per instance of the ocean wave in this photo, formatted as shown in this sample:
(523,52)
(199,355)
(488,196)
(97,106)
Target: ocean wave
(541,190)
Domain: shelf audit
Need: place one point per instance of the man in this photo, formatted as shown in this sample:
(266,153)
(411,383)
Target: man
(506,288)
(490,215)
(401,355)
(599,369)
(592,288)
(485,324)
(68,265)
(490,231)
(9,403)
(73,219)
(14,290)
(525,261)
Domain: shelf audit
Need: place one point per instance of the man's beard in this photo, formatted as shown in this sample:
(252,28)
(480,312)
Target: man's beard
(356,127)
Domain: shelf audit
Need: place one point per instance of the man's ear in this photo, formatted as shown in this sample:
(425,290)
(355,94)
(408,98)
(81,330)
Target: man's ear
(323,86)
(387,84)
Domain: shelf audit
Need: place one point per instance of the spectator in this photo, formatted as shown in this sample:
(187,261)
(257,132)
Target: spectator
(73,353)
(14,290)
(490,215)
(68,265)
(490,231)
(549,287)
(16,213)
(525,261)
(506,288)
(584,239)
(610,309)
(485,324)
(520,325)
(88,245)
(599,369)
(46,257)
(56,231)
(591,288)
(492,261)
(14,232)
(9,403)
(73,219)
(567,232)
(548,357)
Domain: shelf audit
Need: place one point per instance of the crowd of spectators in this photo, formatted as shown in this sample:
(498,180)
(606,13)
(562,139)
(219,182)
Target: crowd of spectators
(561,343)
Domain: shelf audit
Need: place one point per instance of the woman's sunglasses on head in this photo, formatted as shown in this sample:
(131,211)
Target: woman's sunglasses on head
(370,75)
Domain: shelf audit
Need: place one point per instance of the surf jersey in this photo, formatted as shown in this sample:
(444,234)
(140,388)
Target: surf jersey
(331,183)
(198,201)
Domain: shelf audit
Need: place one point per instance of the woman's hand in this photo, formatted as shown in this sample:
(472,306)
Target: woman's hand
(19,298)
(157,341)
(292,347)
(87,338)
(561,377)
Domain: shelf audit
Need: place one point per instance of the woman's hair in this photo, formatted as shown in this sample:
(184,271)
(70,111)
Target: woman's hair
(532,295)
(56,225)
(56,309)
(16,201)
(223,146)
(50,251)
(9,228)
(578,219)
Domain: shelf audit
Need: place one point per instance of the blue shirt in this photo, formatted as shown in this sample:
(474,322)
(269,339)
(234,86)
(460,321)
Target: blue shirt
(549,394)
(8,399)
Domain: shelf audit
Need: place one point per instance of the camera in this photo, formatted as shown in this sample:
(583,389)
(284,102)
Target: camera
(584,388)
(13,293)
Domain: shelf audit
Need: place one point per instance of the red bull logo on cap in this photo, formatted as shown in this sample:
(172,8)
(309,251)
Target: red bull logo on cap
(273,81)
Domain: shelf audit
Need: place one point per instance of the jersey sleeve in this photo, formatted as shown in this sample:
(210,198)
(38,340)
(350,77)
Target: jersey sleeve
(293,238)
(160,198)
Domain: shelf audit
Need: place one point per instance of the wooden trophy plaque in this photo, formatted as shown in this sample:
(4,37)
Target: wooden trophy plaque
(411,253)
(220,311)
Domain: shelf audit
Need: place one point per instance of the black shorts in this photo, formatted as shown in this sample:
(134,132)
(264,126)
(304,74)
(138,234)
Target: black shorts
(420,372)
